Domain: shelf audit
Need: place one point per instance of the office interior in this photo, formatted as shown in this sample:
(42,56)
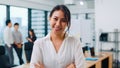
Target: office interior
(94,22)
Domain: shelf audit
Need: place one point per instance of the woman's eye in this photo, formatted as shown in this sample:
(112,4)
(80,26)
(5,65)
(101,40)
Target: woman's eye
(64,20)
(55,19)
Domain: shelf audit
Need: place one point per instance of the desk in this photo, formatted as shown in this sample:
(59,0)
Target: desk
(105,61)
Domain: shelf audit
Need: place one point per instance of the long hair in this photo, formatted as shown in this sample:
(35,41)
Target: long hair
(33,34)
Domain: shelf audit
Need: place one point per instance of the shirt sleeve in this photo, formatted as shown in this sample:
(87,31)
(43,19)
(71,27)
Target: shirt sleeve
(13,36)
(79,57)
(6,37)
(21,37)
(36,55)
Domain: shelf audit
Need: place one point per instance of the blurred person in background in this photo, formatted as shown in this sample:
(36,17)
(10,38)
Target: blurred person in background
(29,45)
(8,39)
(17,36)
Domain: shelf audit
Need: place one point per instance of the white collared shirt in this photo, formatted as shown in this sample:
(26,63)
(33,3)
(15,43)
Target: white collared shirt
(69,52)
(8,37)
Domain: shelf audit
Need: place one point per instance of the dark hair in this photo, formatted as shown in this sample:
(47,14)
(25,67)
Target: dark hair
(16,24)
(8,21)
(33,33)
(66,12)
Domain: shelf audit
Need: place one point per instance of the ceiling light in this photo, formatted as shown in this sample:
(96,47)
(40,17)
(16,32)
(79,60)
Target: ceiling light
(81,3)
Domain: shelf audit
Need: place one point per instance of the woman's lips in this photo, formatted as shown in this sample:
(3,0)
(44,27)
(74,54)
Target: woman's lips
(57,29)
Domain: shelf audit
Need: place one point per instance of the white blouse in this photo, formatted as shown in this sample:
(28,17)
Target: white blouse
(69,52)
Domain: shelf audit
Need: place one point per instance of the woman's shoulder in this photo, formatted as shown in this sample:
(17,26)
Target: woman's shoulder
(74,41)
(73,38)
(39,41)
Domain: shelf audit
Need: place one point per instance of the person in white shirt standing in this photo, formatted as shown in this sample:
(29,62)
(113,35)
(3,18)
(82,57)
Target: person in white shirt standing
(8,39)
(58,49)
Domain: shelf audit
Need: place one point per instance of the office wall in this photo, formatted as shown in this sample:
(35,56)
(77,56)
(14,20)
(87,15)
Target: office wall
(83,28)
(107,16)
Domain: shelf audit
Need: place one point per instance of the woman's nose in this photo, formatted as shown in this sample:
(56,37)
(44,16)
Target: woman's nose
(58,22)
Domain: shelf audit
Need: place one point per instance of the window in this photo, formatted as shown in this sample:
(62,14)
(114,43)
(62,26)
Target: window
(20,15)
(38,22)
(2,22)
(48,23)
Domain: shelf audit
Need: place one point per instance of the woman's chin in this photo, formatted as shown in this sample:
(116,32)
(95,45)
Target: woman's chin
(57,32)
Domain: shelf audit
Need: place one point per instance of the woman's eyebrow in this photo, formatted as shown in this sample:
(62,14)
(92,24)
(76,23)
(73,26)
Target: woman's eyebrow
(57,17)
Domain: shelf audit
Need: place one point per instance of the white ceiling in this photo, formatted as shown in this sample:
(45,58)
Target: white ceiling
(89,3)
(46,1)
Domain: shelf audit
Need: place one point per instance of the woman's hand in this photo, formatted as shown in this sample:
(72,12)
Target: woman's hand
(71,66)
(29,39)
(38,65)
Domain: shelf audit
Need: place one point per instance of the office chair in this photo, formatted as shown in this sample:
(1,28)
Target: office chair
(4,60)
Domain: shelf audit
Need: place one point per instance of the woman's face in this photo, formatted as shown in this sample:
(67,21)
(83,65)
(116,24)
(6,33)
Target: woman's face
(58,22)
(30,33)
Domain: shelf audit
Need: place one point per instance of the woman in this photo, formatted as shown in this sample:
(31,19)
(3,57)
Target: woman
(29,45)
(58,49)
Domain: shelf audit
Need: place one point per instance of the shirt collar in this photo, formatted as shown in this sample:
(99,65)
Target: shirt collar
(8,27)
(48,36)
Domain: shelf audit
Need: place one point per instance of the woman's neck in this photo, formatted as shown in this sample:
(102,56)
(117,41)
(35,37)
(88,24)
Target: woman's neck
(57,37)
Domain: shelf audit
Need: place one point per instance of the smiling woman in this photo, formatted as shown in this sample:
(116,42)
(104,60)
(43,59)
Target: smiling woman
(58,22)
(58,49)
